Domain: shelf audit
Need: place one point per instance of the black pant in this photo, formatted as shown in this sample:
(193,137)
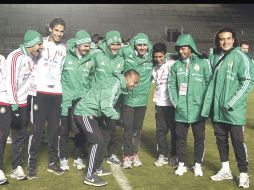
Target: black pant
(198,130)
(17,122)
(165,121)
(79,140)
(89,126)
(222,131)
(133,118)
(45,108)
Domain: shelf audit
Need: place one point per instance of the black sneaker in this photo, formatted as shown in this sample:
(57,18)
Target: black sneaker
(54,168)
(94,180)
(31,174)
(102,172)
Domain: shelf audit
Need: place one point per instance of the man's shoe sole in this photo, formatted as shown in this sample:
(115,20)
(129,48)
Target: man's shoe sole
(93,184)
(3,182)
(114,163)
(52,171)
(15,177)
(221,179)
(31,177)
(99,174)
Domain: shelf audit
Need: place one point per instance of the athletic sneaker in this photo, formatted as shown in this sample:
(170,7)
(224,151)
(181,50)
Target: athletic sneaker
(3,179)
(221,175)
(64,164)
(102,172)
(95,180)
(197,171)
(79,164)
(31,173)
(162,160)
(127,162)
(55,168)
(18,173)
(181,170)
(244,180)
(136,161)
(9,140)
(174,162)
(114,160)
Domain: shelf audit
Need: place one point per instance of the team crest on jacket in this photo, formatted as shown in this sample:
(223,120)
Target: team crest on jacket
(196,67)
(88,64)
(230,64)
(2,110)
(35,107)
(70,63)
(118,65)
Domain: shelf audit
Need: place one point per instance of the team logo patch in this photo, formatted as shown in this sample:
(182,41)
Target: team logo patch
(2,110)
(231,64)
(88,64)
(196,67)
(35,107)
(180,69)
(118,65)
(70,62)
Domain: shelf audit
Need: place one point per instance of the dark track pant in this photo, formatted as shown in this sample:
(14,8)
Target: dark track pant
(79,140)
(45,108)
(17,122)
(165,121)
(133,118)
(222,131)
(89,126)
(198,130)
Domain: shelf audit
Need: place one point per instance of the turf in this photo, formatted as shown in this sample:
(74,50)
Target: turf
(147,177)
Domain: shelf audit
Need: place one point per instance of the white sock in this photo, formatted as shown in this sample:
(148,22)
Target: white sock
(225,166)
(197,165)
(181,164)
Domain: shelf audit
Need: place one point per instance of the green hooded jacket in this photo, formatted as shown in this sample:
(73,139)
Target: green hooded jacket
(189,105)
(106,63)
(226,97)
(138,96)
(76,76)
(102,97)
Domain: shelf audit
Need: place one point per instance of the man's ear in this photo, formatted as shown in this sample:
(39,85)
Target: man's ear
(50,29)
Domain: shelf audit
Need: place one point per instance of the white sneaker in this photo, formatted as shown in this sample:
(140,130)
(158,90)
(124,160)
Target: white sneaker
(162,160)
(114,160)
(18,173)
(243,180)
(64,164)
(221,175)
(181,170)
(3,179)
(9,140)
(79,164)
(136,161)
(197,171)
(174,162)
(127,162)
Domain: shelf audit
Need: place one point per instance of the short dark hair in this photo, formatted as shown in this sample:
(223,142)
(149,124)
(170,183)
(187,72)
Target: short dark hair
(217,39)
(131,72)
(160,47)
(96,38)
(55,21)
(244,42)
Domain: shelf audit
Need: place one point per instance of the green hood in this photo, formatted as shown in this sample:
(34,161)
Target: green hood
(105,49)
(187,40)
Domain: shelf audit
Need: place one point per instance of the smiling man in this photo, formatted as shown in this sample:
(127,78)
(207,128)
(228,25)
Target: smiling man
(99,101)
(16,77)
(189,78)
(226,100)
(47,97)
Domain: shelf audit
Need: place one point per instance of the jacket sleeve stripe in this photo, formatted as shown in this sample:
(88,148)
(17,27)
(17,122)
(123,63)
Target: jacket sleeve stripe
(246,82)
(13,75)
(114,91)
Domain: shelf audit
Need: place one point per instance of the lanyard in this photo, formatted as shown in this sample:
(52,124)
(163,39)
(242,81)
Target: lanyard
(54,55)
(186,69)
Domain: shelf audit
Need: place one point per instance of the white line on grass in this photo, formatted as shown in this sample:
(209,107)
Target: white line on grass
(120,177)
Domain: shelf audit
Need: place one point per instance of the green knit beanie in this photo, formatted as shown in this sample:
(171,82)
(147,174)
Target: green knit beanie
(32,38)
(141,38)
(113,37)
(83,37)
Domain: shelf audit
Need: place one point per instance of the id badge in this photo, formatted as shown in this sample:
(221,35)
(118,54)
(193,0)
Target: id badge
(33,90)
(183,89)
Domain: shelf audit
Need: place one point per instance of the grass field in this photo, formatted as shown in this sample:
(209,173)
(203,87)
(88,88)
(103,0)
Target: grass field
(147,177)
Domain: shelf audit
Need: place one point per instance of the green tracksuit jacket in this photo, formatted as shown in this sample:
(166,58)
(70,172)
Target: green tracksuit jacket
(106,63)
(189,106)
(138,96)
(101,98)
(226,97)
(76,76)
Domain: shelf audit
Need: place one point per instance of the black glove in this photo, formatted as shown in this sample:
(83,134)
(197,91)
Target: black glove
(74,102)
